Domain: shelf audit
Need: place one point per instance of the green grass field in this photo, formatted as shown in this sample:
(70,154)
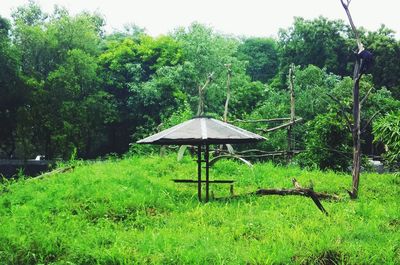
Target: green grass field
(129,211)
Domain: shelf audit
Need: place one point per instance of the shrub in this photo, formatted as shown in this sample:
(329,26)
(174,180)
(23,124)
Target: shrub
(327,144)
(387,131)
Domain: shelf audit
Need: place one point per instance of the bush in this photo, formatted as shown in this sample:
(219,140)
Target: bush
(387,131)
(328,144)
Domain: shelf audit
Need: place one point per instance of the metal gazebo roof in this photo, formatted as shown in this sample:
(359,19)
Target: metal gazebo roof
(202,130)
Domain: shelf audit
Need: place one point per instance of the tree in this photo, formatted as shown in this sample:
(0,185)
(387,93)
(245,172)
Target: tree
(59,67)
(206,52)
(327,143)
(320,42)
(355,127)
(387,131)
(262,58)
(143,74)
(13,91)
(386,50)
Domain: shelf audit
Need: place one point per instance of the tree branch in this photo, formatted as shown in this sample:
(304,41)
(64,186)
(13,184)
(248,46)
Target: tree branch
(228,91)
(366,96)
(280,126)
(343,111)
(263,120)
(200,108)
(369,121)
(353,27)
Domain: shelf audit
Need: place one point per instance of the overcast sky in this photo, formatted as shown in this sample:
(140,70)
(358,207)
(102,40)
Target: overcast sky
(261,18)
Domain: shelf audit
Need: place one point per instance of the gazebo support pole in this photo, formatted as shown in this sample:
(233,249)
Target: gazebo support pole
(207,172)
(199,172)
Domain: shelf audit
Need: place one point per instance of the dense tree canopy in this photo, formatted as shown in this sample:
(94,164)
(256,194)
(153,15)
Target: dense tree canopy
(261,56)
(67,87)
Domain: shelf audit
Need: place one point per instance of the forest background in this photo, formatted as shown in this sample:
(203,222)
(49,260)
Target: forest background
(69,89)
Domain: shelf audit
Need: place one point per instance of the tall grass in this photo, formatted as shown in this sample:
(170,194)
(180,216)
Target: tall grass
(129,211)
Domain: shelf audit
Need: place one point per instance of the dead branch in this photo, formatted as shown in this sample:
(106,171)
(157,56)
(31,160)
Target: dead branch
(353,27)
(290,140)
(53,172)
(267,154)
(240,158)
(366,96)
(200,109)
(280,126)
(263,120)
(300,191)
(228,91)
(369,121)
(292,97)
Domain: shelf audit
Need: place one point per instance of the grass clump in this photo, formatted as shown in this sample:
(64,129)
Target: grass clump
(128,211)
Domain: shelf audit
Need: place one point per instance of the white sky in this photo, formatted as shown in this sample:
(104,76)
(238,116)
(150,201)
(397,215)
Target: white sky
(261,18)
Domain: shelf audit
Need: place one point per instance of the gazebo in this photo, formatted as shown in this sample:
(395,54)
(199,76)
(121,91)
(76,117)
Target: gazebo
(202,131)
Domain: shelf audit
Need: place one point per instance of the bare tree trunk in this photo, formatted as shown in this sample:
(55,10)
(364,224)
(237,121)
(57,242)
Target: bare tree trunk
(356,130)
(356,133)
(292,113)
(200,108)
(228,92)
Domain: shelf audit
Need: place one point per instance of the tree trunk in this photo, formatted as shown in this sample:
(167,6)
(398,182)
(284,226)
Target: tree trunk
(228,92)
(356,132)
(290,141)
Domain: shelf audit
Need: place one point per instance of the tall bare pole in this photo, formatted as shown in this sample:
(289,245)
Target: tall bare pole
(228,91)
(292,111)
(355,128)
(200,108)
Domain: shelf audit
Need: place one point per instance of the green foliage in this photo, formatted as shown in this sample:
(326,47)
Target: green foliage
(320,42)
(387,131)
(261,56)
(386,51)
(128,211)
(67,85)
(144,76)
(13,93)
(328,143)
(207,52)
(184,113)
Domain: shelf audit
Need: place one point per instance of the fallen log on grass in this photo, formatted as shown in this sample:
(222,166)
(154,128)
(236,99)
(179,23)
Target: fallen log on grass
(299,190)
(55,171)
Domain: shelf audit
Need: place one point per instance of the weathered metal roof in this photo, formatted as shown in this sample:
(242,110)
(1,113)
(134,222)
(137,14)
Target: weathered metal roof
(202,130)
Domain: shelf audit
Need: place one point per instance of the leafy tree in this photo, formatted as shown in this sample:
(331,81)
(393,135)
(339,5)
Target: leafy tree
(320,42)
(387,131)
(12,90)
(262,57)
(207,52)
(143,75)
(58,62)
(327,143)
(386,50)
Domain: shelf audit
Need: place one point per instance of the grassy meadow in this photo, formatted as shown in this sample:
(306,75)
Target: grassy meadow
(129,211)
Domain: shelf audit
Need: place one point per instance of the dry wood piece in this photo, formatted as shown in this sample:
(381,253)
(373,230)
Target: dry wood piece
(262,120)
(55,171)
(299,190)
(200,108)
(228,91)
(281,126)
